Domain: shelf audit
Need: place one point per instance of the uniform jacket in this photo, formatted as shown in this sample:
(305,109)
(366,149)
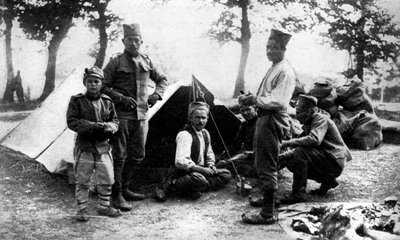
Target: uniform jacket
(319,131)
(82,118)
(127,77)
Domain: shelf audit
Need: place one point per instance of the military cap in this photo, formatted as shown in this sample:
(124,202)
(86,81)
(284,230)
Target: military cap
(132,30)
(280,35)
(93,72)
(307,101)
(198,106)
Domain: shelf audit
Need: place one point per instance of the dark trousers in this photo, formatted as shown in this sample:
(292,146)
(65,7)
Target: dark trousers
(309,163)
(270,129)
(185,182)
(128,151)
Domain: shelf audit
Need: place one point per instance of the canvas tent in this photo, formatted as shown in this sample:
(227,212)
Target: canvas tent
(44,135)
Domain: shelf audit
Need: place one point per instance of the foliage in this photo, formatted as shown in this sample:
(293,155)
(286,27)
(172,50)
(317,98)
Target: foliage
(363,29)
(43,18)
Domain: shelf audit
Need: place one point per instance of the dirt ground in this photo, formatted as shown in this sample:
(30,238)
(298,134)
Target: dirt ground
(35,204)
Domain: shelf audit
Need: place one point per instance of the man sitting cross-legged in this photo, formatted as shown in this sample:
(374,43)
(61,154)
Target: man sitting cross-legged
(195,170)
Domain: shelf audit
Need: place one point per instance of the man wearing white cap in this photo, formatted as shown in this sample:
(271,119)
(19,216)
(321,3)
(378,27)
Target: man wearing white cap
(127,77)
(272,100)
(195,170)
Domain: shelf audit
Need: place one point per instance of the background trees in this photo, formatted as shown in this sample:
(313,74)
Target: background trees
(363,29)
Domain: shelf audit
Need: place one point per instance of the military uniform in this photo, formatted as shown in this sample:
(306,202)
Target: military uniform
(129,76)
(319,153)
(88,116)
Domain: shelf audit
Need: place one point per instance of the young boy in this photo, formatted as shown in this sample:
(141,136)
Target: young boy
(92,116)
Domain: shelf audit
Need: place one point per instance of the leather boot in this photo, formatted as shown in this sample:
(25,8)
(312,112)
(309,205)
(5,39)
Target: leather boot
(132,196)
(296,196)
(268,213)
(324,188)
(259,202)
(120,203)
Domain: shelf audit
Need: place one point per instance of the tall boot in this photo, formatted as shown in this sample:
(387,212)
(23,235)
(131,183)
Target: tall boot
(268,214)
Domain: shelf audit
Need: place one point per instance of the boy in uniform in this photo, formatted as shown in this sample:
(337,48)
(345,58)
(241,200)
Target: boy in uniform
(92,116)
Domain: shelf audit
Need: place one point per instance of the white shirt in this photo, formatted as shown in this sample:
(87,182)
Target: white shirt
(183,150)
(277,87)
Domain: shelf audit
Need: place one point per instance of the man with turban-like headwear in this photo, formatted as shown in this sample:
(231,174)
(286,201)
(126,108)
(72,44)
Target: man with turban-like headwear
(195,170)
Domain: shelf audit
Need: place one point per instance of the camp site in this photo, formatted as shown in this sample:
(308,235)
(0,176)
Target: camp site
(344,56)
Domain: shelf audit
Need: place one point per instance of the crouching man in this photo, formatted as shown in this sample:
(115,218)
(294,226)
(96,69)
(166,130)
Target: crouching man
(319,153)
(195,170)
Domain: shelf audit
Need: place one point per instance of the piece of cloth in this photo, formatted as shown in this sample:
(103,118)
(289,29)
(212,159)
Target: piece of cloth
(361,130)
(272,125)
(184,142)
(84,117)
(130,77)
(86,164)
(320,131)
(128,151)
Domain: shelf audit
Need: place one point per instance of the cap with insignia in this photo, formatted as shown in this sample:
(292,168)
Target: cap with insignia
(306,101)
(280,35)
(132,30)
(93,72)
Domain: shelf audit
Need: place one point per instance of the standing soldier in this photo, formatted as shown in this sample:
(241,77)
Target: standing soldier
(272,125)
(127,77)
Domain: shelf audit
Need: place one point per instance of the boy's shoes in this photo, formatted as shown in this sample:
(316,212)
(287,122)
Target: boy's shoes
(258,219)
(109,212)
(121,203)
(82,215)
(324,188)
(132,196)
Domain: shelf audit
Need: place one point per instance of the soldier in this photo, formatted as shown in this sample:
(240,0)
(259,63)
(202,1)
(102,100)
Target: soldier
(272,125)
(319,153)
(127,77)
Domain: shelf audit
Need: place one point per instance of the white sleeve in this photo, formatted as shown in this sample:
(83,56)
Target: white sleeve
(183,150)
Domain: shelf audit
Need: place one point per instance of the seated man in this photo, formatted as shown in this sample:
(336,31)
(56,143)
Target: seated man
(319,153)
(242,145)
(195,170)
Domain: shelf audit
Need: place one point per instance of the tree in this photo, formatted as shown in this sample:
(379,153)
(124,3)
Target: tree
(48,20)
(225,30)
(363,29)
(8,15)
(101,19)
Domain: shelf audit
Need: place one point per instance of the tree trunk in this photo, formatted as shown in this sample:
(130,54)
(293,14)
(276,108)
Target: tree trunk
(245,45)
(103,37)
(8,96)
(54,45)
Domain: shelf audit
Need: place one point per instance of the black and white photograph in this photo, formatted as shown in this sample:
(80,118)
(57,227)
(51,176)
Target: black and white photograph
(200,119)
